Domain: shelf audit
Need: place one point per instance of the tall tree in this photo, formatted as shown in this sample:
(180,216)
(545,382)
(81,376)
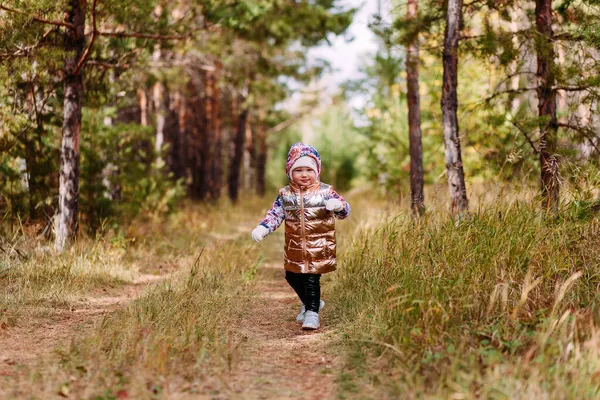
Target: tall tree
(238,140)
(217,173)
(261,156)
(449,103)
(68,192)
(414,116)
(546,94)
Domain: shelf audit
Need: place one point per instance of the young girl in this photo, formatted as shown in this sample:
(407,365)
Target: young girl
(309,208)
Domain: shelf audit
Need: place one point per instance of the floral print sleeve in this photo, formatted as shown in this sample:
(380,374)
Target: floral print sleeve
(275,216)
(343,213)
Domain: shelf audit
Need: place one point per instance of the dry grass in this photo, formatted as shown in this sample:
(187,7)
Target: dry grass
(176,338)
(503,306)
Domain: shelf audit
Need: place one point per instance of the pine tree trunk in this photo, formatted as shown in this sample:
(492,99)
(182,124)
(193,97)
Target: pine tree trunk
(414,117)
(238,152)
(217,154)
(208,143)
(143,98)
(68,193)
(198,143)
(261,157)
(249,158)
(178,158)
(550,174)
(454,166)
(160,107)
(31,159)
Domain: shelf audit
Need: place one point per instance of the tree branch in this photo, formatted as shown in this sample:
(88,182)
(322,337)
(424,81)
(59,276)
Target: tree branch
(39,19)
(87,51)
(509,91)
(145,35)
(573,88)
(581,131)
(524,132)
(568,37)
(106,64)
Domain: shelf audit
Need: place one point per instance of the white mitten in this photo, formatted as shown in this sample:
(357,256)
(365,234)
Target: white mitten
(259,233)
(334,205)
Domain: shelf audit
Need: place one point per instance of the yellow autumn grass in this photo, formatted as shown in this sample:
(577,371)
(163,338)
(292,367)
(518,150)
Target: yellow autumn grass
(503,305)
(165,341)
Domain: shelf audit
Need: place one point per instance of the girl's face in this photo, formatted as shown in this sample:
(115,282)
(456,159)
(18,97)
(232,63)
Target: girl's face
(304,176)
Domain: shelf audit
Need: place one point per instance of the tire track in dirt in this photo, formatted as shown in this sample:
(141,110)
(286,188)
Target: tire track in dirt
(279,360)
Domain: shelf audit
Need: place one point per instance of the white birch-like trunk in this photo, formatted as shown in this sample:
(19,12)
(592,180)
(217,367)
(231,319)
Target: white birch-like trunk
(67,222)
(449,103)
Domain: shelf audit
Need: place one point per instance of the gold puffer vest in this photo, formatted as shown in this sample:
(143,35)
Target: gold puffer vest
(309,229)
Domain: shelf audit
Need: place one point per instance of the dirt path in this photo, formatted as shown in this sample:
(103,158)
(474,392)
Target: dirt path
(277,360)
(22,345)
(280,360)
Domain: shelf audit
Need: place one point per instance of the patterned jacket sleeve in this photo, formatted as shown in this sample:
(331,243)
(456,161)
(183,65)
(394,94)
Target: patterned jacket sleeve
(343,213)
(275,216)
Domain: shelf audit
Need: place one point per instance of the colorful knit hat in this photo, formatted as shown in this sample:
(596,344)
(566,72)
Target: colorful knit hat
(300,150)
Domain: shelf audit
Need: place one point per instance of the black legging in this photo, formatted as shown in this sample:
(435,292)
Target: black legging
(307,287)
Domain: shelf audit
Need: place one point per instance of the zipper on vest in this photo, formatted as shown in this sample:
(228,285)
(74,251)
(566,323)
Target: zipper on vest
(303,229)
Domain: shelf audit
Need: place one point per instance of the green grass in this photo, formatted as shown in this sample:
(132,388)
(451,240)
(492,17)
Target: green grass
(505,305)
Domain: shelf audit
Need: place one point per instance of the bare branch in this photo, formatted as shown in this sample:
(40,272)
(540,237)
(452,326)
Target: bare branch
(582,131)
(568,37)
(466,37)
(573,88)
(39,19)
(509,91)
(106,64)
(524,132)
(87,51)
(145,35)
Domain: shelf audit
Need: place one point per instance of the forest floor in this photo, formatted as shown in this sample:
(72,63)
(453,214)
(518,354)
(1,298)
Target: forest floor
(271,357)
(23,345)
(279,359)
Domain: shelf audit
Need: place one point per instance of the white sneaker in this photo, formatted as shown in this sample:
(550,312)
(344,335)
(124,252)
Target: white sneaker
(311,320)
(300,316)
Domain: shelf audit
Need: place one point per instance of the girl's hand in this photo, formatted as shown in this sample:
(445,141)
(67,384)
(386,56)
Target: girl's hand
(334,205)
(259,233)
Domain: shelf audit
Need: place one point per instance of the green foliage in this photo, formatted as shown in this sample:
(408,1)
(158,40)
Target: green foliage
(119,177)
(280,144)
(339,146)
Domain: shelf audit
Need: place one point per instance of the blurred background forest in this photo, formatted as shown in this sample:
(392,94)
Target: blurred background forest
(114,110)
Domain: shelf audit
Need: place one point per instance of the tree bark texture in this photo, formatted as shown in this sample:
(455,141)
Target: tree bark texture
(550,174)
(238,152)
(217,175)
(68,193)
(414,117)
(449,103)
